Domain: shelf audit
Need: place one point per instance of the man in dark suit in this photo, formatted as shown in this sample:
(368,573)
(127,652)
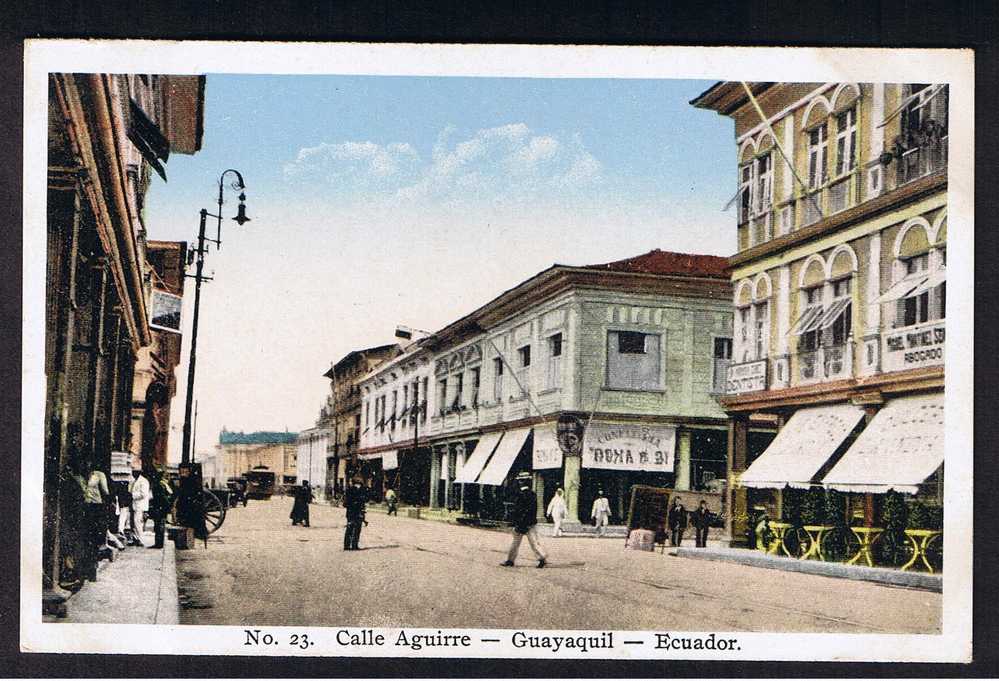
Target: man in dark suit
(354,501)
(677,522)
(525,520)
(701,520)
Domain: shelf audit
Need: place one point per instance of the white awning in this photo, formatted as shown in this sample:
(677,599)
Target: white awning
(901,289)
(834,312)
(900,448)
(477,461)
(936,278)
(802,447)
(390,460)
(504,456)
(369,456)
(808,321)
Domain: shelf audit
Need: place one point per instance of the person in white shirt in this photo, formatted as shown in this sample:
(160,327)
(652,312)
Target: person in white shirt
(557,511)
(140,490)
(601,512)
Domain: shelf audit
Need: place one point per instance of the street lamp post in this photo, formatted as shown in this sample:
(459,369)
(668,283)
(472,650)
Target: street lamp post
(240,219)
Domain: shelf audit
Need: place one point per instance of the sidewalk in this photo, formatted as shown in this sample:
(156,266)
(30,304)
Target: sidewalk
(893,577)
(139,587)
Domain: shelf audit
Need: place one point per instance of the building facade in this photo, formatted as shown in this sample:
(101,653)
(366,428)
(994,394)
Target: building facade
(634,349)
(275,450)
(311,458)
(155,381)
(839,289)
(107,134)
(344,406)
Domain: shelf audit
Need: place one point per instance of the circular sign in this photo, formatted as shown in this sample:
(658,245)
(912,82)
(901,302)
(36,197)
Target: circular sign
(569,432)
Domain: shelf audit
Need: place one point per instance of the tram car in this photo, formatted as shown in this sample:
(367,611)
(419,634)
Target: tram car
(259,482)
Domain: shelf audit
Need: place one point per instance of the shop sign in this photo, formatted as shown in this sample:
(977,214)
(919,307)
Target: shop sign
(166,311)
(746,377)
(912,347)
(629,447)
(547,453)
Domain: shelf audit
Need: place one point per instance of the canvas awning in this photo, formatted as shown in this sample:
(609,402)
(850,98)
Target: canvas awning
(808,321)
(480,455)
(901,289)
(833,312)
(369,456)
(936,278)
(390,460)
(506,453)
(900,448)
(802,447)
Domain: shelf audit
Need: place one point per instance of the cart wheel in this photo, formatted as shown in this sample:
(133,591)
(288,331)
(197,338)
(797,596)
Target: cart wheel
(214,511)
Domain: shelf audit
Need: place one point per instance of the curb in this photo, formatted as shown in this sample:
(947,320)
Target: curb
(168,598)
(889,576)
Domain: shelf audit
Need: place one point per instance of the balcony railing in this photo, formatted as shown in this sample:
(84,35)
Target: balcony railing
(840,195)
(811,208)
(922,160)
(831,362)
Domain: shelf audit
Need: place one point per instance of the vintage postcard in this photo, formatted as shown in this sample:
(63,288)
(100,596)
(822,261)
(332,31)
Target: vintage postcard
(497,351)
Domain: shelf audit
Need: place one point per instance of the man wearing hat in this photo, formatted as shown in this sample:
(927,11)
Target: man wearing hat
(354,501)
(525,519)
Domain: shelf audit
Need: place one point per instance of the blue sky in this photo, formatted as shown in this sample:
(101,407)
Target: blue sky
(383,200)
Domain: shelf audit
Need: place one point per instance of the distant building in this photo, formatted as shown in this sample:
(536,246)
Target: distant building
(344,410)
(311,455)
(277,451)
(155,381)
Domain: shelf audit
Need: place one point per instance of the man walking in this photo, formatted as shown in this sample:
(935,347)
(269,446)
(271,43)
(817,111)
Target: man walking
(677,522)
(140,491)
(525,520)
(600,513)
(354,501)
(557,512)
(701,519)
(392,501)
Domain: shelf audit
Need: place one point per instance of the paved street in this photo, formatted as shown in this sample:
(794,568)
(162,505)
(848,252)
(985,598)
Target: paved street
(260,570)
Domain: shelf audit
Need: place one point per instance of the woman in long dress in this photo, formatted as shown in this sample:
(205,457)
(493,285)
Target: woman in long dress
(300,511)
(557,511)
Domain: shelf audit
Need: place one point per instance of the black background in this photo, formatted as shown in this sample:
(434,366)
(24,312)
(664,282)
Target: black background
(861,23)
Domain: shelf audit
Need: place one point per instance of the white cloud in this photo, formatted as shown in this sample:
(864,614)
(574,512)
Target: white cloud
(366,162)
(509,161)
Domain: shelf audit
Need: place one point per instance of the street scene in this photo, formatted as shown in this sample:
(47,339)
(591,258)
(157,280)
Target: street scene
(495,353)
(256,571)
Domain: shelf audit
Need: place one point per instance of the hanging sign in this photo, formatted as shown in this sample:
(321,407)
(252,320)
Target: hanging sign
(629,447)
(547,453)
(166,311)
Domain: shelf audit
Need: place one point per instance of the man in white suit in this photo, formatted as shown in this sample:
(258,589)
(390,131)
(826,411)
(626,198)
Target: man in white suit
(140,490)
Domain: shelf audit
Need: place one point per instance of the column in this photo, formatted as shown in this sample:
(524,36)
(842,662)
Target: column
(682,466)
(446,474)
(539,491)
(871,351)
(459,462)
(571,486)
(735,499)
(435,476)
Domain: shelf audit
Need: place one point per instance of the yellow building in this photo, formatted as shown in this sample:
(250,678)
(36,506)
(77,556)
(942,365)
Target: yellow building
(240,452)
(839,290)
